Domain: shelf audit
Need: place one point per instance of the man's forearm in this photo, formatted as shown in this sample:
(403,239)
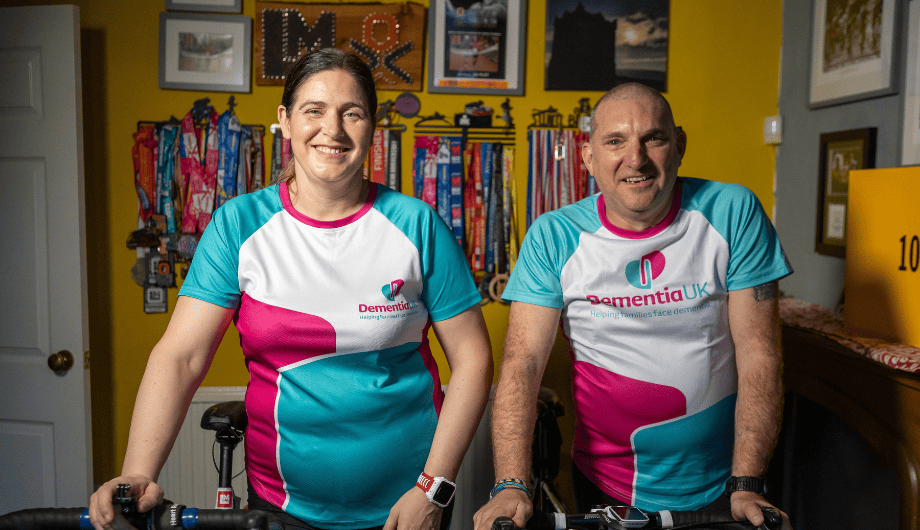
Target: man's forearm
(513,417)
(758,415)
(759,410)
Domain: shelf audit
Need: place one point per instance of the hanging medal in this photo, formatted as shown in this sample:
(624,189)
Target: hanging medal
(199,165)
(228,141)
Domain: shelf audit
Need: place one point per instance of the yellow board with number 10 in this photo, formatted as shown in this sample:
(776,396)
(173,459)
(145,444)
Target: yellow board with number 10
(882,289)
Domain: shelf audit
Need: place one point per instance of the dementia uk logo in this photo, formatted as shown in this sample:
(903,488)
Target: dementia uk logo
(397,310)
(640,273)
(392,289)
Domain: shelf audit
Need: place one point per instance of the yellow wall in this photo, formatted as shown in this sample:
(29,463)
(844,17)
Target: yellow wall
(722,82)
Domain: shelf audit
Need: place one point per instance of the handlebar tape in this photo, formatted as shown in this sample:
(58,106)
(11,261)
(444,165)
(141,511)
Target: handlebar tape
(233,519)
(44,519)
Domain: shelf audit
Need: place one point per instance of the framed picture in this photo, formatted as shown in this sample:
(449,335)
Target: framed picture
(215,6)
(840,153)
(476,47)
(205,52)
(598,45)
(853,54)
(910,149)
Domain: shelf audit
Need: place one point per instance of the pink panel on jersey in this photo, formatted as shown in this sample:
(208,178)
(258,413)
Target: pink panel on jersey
(272,338)
(609,408)
(437,394)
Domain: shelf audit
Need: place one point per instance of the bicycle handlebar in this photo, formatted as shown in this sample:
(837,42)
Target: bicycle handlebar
(163,517)
(663,519)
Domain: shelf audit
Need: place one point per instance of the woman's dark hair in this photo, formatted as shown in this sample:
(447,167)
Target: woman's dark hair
(330,59)
(321,61)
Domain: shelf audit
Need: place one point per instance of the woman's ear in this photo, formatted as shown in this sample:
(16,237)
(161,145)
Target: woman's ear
(284,121)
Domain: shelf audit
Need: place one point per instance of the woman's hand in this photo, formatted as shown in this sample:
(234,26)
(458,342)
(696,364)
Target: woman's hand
(413,511)
(101,510)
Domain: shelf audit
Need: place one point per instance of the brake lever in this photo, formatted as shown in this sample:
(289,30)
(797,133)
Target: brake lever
(772,519)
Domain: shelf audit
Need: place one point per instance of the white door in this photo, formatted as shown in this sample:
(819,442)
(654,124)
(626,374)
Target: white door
(45,449)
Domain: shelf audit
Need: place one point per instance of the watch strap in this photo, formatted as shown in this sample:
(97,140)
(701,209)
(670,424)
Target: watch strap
(425,481)
(753,484)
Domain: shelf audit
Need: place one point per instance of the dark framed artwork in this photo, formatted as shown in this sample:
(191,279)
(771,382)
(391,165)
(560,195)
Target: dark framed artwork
(853,50)
(476,47)
(841,152)
(205,52)
(910,149)
(597,44)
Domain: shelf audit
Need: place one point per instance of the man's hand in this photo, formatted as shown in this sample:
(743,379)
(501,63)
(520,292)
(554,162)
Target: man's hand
(101,510)
(747,505)
(510,502)
(413,511)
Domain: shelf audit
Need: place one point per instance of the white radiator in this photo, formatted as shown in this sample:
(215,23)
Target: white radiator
(189,476)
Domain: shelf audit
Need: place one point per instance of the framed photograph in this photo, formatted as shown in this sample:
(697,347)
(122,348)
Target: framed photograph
(598,45)
(214,6)
(476,47)
(205,52)
(910,149)
(853,54)
(840,153)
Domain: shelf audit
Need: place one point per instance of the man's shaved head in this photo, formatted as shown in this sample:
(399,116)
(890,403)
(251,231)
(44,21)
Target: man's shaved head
(631,91)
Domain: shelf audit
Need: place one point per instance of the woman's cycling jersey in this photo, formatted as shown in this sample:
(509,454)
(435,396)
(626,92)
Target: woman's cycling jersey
(654,379)
(344,395)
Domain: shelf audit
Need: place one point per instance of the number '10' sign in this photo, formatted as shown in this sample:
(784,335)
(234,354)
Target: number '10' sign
(911,255)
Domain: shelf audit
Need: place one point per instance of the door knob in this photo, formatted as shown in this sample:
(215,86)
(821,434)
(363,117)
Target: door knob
(60,361)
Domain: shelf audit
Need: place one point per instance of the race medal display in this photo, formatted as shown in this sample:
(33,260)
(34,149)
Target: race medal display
(389,37)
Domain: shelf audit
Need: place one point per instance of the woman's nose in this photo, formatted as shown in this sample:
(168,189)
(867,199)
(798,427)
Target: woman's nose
(332,125)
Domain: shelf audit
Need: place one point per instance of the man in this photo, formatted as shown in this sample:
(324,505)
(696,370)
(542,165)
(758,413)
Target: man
(666,288)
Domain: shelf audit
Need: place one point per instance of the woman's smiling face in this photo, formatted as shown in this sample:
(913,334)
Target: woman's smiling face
(330,128)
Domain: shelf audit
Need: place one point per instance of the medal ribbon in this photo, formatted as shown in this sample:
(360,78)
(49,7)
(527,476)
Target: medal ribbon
(199,166)
(228,140)
(145,168)
(166,157)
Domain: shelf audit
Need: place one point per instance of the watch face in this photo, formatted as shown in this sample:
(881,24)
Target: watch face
(443,494)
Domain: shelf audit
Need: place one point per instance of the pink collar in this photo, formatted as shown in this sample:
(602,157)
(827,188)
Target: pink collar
(650,231)
(286,202)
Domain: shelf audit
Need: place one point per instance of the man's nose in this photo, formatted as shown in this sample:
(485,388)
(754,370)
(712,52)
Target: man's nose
(636,155)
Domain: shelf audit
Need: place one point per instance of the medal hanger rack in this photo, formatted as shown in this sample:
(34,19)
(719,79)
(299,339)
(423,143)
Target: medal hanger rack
(438,124)
(551,118)
(161,252)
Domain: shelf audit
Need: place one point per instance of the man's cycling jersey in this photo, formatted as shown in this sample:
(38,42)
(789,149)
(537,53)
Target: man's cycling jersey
(654,379)
(344,395)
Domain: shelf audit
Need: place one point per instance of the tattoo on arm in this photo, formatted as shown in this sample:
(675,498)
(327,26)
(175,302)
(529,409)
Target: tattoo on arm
(766,291)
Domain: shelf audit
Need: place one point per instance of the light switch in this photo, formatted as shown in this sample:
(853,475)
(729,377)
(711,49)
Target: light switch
(773,130)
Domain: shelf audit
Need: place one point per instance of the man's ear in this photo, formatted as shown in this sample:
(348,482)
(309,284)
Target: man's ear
(681,141)
(285,123)
(587,156)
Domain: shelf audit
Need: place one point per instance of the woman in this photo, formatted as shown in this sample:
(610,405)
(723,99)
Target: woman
(332,282)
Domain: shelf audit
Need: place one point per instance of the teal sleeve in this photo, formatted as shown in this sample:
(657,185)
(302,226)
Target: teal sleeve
(756,255)
(213,275)
(449,287)
(536,275)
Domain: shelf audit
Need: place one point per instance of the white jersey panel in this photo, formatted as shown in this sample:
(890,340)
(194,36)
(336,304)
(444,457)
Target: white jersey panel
(668,331)
(363,257)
